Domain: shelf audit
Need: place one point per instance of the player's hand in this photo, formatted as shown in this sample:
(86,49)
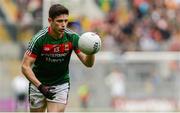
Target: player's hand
(46,91)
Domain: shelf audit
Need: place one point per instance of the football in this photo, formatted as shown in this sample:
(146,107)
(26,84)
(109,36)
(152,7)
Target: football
(89,43)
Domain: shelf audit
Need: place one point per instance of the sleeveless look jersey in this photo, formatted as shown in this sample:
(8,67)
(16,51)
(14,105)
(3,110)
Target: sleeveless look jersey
(52,56)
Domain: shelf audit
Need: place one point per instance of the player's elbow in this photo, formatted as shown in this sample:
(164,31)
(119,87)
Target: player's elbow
(89,65)
(90,61)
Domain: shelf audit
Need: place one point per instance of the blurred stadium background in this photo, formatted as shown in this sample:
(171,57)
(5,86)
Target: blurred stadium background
(139,37)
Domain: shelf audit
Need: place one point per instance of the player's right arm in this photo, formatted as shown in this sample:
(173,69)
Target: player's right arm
(32,52)
(27,70)
(30,56)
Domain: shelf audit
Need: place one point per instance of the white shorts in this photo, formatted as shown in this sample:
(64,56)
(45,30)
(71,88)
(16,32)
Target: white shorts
(37,99)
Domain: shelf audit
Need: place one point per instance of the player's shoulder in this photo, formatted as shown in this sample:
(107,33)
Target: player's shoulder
(40,34)
(71,33)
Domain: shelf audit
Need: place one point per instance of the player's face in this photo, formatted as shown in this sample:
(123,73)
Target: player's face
(59,24)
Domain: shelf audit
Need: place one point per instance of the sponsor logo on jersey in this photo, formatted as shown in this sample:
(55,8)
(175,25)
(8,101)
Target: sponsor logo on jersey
(56,52)
(57,48)
(46,49)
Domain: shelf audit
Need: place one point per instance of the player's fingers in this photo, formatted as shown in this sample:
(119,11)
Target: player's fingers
(52,96)
(51,88)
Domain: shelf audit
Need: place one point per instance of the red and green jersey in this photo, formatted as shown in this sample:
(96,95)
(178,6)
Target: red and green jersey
(52,56)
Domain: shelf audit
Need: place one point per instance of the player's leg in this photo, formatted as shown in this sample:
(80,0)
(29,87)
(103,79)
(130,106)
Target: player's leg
(55,107)
(37,101)
(58,104)
(41,109)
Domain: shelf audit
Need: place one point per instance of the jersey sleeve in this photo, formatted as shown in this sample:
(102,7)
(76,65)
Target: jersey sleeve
(34,47)
(75,43)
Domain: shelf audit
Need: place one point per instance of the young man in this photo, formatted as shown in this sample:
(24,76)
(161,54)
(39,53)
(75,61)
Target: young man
(49,54)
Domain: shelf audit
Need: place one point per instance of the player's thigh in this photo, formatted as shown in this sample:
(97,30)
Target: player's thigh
(55,107)
(41,109)
(59,103)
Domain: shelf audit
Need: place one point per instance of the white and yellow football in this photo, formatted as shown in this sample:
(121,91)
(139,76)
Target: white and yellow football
(89,43)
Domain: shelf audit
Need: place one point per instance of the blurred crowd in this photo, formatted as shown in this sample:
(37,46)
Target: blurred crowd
(128,25)
(144,25)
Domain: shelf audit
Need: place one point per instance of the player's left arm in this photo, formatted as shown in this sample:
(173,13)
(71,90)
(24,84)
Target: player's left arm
(87,60)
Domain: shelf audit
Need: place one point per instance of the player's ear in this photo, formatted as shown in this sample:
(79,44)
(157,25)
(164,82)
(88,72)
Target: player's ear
(49,20)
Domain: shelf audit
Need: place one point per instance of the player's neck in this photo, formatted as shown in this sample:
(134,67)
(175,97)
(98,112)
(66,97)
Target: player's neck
(54,34)
(57,35)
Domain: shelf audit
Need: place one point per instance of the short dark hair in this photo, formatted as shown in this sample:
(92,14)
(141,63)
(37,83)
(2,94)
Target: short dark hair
(56,10)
